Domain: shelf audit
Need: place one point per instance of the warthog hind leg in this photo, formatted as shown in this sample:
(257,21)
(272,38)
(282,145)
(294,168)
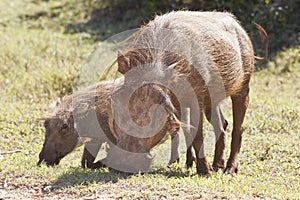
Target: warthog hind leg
(239,105)
(215,116)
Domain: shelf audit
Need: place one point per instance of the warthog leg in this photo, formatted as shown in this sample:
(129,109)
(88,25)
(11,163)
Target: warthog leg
(190,155)
(202,164)
(88,157)
(239,105)
(174,149)
(215,116)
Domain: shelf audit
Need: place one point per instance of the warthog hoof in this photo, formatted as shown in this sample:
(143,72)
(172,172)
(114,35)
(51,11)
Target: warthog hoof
(172,162)
(204,174)
(230,170)
(203,167)
(217,168)
(190,161)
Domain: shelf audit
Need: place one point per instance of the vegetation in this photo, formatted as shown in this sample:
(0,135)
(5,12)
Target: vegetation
(43,46)
(274,15)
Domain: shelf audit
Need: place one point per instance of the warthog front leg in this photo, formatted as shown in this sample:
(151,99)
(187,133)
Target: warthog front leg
(202,164)
(89,156)
(190,155)
(174,149)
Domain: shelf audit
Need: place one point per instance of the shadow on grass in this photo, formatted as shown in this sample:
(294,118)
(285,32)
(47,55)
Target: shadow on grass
(103,24)
(97,21)
(78,176)
(172,171)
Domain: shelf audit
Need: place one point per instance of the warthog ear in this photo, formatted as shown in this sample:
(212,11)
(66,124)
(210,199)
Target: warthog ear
(57,105)
(123,63)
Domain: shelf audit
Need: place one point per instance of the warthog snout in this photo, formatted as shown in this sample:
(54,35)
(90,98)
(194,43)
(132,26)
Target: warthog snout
(48,162)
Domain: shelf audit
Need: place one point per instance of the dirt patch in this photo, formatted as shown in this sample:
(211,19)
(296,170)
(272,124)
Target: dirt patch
(23,192)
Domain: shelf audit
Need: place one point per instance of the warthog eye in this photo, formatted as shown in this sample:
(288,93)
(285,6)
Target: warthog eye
(64,126)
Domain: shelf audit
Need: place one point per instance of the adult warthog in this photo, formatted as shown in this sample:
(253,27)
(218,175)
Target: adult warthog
(203,58)
(88,115)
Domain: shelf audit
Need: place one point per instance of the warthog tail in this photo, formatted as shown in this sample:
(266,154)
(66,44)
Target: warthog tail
(264,39)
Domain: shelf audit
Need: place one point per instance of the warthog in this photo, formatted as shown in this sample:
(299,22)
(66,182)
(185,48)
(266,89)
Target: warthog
(214,55)
(88,115)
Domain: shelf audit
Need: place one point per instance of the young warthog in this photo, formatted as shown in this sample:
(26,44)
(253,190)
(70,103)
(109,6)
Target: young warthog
(203,58)
(88,115)
(62,136)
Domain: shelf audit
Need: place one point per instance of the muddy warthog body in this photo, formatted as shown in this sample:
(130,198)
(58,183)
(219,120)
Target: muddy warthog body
(213,53)
(88,115)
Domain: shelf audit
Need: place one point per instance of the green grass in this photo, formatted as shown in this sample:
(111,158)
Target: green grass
(39,61)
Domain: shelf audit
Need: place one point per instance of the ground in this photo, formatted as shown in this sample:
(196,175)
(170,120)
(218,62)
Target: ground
(39,61)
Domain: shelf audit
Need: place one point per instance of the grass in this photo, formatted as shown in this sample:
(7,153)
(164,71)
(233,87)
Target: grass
(39,61)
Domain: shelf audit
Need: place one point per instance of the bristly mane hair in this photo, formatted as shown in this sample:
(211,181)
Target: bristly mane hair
(96,96)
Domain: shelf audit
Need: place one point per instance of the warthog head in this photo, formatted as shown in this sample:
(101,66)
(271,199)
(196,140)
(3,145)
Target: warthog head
(143,117)
(145,120)
(61,138)
(61,135)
